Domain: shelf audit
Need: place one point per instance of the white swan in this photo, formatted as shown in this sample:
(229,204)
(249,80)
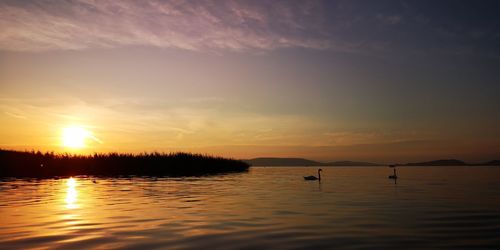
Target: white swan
(394,176)
(312,177)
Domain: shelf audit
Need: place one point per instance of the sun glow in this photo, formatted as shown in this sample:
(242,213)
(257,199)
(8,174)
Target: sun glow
(74,137)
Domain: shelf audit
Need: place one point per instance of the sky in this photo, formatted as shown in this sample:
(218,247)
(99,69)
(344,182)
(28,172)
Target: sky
(381,81)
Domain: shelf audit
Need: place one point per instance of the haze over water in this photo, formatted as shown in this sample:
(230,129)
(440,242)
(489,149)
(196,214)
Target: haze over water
(266,208)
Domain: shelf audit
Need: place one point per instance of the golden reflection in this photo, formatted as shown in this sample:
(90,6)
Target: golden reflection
(71,194)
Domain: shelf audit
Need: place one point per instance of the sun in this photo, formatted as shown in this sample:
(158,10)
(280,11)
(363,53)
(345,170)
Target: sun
(74,137)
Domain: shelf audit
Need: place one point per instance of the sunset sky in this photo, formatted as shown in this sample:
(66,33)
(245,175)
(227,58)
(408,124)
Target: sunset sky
(383,81)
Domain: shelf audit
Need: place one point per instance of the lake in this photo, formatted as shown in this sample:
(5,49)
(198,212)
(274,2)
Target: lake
(264,208)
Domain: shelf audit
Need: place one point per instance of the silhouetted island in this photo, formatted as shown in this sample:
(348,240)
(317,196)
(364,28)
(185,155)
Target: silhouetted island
(274,161)
(446,162)
(47,165)
(453,162)
(491,163)
(352,164)
(295,162)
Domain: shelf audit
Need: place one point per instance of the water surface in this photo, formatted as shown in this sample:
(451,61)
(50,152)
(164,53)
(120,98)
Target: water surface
(266,208)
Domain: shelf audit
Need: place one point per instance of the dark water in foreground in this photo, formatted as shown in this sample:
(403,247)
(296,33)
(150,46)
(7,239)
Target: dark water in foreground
(266,208)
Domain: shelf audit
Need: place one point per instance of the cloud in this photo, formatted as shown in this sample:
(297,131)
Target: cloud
(187,25)
(15,115)
(389,19)
(257,26)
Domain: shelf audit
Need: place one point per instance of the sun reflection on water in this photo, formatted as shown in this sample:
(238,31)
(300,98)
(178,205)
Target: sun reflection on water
(71,194)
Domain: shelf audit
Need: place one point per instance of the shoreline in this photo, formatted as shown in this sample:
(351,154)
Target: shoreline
(49,165)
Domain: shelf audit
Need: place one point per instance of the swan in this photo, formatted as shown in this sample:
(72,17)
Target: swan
(312,177)
(394,176)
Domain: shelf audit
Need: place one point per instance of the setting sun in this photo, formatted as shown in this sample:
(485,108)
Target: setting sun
(74,137)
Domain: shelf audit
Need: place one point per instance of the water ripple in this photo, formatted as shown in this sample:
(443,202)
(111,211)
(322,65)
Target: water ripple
(266,208)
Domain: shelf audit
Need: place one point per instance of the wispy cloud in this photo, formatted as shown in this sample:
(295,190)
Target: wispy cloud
(189,25)
(389,19)
(15,115)
(215,26)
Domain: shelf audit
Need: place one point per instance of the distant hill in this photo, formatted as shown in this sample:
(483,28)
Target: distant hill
(351,163)
(270,161)
(447,162)
(491,163)
(275,161)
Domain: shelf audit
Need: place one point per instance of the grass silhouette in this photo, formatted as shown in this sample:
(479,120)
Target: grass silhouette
(49,164)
